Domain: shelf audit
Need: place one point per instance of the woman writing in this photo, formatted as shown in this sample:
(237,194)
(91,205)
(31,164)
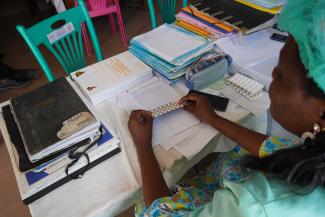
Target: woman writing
(264,175)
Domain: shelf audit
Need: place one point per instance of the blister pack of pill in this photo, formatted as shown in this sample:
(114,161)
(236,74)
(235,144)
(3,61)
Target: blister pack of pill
(246,86)
(164,109)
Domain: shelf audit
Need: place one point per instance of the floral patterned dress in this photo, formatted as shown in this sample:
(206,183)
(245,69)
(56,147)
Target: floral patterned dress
(192,193)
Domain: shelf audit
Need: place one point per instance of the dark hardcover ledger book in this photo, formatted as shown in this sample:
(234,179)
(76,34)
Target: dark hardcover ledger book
(41,113)
(24,163)
(235,13)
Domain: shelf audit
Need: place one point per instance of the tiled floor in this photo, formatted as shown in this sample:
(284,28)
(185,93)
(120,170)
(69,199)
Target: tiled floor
(18,55)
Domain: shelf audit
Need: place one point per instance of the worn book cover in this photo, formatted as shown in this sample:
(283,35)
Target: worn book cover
(50,114)
(116,74)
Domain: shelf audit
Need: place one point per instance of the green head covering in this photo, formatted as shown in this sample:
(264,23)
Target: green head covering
(305,21)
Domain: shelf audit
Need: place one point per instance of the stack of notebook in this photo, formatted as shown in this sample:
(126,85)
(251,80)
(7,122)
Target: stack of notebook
(55,137)
(195,21)
(215,18)
(169,49)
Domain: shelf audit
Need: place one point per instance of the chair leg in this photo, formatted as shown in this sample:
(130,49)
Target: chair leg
(112,22)
(86,39)
(121,25)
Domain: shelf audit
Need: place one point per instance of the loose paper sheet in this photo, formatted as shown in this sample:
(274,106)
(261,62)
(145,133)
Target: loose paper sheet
(152,95)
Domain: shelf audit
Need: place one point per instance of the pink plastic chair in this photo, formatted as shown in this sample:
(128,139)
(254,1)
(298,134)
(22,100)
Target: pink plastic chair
(98,8)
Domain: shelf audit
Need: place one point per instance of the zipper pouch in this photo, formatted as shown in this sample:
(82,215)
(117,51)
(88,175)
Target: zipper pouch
(206,70)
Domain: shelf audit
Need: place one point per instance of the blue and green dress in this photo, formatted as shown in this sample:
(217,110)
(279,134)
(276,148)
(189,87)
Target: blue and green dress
(230,190)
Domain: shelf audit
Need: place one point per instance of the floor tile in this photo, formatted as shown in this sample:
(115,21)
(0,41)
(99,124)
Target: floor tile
(9,196)
(5,163)
(17,211)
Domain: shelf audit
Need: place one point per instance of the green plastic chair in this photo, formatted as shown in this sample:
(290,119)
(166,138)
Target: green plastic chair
(61,34)
(167,11)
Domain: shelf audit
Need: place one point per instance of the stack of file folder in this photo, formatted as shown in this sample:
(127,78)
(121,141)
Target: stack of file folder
(195,21)
(228,15)
(169,49)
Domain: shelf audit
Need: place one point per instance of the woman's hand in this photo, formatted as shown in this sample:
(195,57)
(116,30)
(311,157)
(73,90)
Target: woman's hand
(199,106)
(140,127)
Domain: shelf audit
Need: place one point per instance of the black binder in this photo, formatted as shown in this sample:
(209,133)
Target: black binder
(25,164)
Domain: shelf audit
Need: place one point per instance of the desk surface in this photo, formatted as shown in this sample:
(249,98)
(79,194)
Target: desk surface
(115,184)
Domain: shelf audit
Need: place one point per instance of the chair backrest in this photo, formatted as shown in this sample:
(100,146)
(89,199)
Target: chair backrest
(95,5)
(98,4)
(61,34)
(167,11)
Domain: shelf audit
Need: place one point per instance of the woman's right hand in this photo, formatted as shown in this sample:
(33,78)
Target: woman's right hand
(140,127)
(199,106)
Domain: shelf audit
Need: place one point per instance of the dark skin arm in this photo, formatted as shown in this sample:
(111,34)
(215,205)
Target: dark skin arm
(199,106)
(140,126)
(154,185)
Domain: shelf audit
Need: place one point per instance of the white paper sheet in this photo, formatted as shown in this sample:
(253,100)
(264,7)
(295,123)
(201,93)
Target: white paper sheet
(251,49)
(155,94)
(171,142)
(254,55)
(197,142)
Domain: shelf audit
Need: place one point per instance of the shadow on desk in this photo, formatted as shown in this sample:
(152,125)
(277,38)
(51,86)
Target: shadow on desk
(10,201)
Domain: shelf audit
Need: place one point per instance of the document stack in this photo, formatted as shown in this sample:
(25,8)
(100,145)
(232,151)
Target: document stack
(55,137)
(104,80)
(169,49)
(178,129)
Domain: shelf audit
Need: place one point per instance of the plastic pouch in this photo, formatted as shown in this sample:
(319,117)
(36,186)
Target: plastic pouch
(206,70)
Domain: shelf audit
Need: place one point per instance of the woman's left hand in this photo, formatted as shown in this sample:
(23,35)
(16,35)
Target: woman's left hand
(140,127)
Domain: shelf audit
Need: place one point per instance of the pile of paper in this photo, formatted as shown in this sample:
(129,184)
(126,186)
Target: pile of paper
(102,81)
(178,129)
(169,49)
